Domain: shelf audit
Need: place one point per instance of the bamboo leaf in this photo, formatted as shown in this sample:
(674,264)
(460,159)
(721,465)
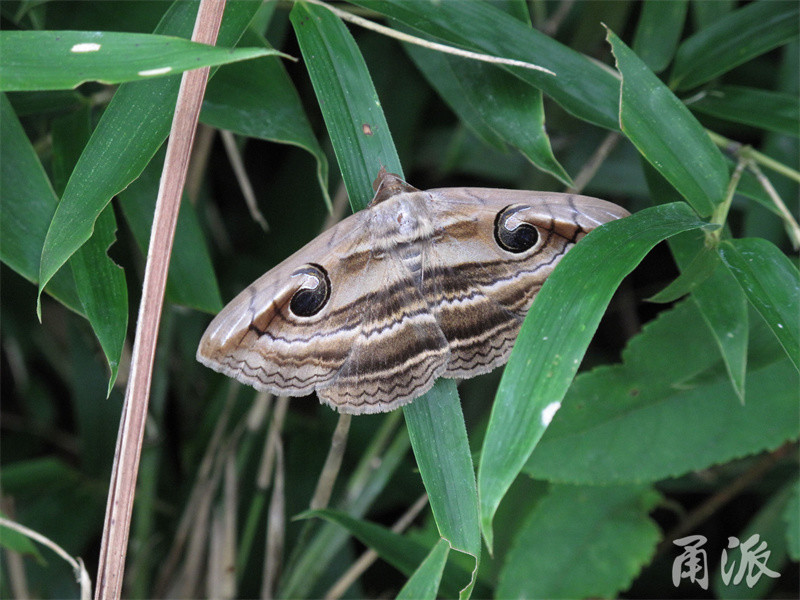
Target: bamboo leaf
(665,132)
(59,60)
(348,100)
(772,285)
(132,128)
(732,40)
(554,338)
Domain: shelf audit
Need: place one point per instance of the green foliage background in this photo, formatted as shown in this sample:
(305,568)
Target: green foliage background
(683,419)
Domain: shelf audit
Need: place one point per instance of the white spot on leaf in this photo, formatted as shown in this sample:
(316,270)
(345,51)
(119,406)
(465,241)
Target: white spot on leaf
(87,47)
(549,412)
(151,72)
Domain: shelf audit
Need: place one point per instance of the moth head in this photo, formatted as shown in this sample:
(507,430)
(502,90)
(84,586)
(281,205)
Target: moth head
(387,185)
(512,233)
(314,291)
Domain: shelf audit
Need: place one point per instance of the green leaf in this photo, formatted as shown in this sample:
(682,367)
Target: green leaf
(582,87)
(581,542)
(699,268)
(191,280)
(103,291)
(658,32)
(438,70)
(439,439)
(11,539)
(424,583)
(401,552)
(256,98)
(768,527)
(19,476)
(350,106)
(486,97)
(554,338)
(44,488)
(717,295)
(751,187)
(132,128)
(669,408)
(36,103)
(348,100)
(732,40)
(724,309)
(720,300)
(57,60)
(665,132)
(773,111)
(100,282)
(791,519)
(516,8)
(367,482)
(27,204)
(705,14)
(772,285)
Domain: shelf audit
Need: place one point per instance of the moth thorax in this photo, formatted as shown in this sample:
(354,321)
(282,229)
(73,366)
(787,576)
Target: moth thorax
(407,223)
(413,220)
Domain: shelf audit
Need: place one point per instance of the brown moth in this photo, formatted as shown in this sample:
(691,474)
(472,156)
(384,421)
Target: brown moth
(420,285)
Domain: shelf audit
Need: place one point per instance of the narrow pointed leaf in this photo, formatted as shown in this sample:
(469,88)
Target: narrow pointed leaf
(554,338)
(438,71)
(732,40)
(27,204)
(439,439)
(665,132)
(582,87)
(697,270)
(403,553)
(773,111)
(348,100)
(400,551)
(132,128)
(100,282)
(102,289)
(191,280)
(424,583)
(658,32)
(724,309)
(720,300)
(485,96)
(772,285)
(256,98)
(59,60)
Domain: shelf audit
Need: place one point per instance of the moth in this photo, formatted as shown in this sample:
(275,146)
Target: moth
(420,285)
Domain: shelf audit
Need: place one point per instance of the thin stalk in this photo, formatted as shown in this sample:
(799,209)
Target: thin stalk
(113,550)
(721,212)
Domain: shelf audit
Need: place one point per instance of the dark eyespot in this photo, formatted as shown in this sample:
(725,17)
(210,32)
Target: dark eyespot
(307,302)
(523,237)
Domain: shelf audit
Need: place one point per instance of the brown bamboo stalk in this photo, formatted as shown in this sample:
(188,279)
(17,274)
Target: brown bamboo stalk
(137,394)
